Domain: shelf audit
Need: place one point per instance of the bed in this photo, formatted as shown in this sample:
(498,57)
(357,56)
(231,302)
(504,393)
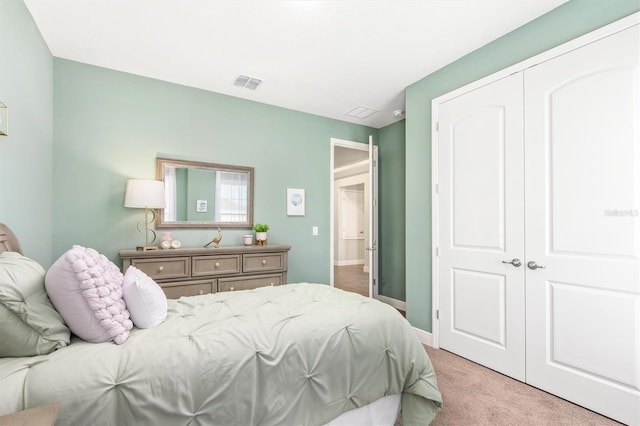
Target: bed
(297,354)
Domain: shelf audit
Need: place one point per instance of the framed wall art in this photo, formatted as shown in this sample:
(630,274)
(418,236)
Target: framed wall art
(201,206)
(295,202)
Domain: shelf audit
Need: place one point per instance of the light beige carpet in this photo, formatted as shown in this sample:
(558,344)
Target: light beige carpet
(475,395)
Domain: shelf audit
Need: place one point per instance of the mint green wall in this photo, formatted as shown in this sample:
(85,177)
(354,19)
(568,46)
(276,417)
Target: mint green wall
(110,126)
(391,213)
(26,87)
(564,23)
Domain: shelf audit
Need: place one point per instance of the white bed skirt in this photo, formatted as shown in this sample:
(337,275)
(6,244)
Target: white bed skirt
(384,411)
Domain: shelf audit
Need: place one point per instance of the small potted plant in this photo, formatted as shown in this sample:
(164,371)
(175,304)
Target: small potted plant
(261,233)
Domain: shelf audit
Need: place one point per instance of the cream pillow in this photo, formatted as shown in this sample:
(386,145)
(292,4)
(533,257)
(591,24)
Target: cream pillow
(145,300)
(86,288)
(29,325)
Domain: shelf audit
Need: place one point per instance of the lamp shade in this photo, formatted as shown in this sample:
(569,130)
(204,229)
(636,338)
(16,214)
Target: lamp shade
(144,193)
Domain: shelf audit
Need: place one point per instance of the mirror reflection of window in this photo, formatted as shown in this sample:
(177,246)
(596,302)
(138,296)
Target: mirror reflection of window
(231,197)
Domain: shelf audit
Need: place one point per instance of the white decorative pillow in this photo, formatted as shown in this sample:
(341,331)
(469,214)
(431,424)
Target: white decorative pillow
(86,288)
(145,300)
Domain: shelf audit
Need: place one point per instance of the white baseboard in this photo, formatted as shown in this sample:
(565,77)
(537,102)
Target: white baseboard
(348,262)
(425,337)
(398,304)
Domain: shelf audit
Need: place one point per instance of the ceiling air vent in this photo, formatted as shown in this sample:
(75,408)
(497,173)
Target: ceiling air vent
(361,112)
(247,82)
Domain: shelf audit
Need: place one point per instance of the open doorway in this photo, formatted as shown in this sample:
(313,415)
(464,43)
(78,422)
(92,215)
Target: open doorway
(353,264)
(350,268)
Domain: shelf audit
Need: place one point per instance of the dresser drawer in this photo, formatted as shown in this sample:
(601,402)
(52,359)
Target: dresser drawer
(263,262)
(248,283)
(189,288)
(164,268)
(215,265)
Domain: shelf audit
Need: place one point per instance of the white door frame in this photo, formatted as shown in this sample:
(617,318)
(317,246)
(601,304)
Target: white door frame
(335,142)
(372,204)
(583,40)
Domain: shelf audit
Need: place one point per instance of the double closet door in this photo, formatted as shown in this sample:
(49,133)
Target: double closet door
(538,225)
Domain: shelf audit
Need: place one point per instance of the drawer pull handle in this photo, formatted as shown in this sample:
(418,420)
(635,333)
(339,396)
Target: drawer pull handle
(231,289)
(161,268)
(217,264)
(271,284)
(264,261)
(201,292)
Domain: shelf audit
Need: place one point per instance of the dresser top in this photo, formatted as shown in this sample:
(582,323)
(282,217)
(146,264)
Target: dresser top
(200,251)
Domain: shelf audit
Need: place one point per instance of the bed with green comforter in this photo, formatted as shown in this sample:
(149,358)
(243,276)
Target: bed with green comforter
(297,354)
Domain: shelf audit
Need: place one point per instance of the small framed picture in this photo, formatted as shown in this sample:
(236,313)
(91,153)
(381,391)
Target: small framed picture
(295,202)
(4,120)
(201,206)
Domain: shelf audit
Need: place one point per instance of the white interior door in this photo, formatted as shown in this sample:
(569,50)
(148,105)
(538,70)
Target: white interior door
(480,226)
(352,213)
(582,137)
(372,247)
(369,165)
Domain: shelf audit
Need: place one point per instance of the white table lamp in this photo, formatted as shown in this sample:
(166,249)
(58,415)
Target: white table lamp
(145,194)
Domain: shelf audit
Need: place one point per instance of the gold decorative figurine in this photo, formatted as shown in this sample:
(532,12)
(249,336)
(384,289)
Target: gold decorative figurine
(216,240)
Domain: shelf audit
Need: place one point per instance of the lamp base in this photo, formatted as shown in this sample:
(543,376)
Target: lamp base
(147,248)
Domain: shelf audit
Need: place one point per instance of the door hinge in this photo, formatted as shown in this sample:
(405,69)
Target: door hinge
(437,313)
(437,126)
(437,251)
(437,188)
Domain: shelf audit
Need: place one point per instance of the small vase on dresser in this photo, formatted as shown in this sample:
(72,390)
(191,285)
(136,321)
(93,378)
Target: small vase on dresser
(261,238)
(261,233)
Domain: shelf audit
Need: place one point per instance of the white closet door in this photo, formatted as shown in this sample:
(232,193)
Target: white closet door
(480,226)
(582,155)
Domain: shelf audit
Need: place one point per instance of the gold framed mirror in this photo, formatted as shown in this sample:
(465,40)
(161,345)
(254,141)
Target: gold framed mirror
(205,195)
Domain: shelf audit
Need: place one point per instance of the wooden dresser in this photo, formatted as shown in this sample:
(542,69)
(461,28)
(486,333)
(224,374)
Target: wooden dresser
(192,271)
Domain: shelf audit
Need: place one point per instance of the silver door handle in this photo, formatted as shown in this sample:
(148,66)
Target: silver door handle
(533,265)
(370,248)
(514,262)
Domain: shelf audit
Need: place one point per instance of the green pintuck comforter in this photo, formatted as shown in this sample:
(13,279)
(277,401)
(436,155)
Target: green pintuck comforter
(296,354)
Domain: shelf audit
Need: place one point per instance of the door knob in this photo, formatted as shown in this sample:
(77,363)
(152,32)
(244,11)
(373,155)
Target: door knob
(514,262)
(533,265)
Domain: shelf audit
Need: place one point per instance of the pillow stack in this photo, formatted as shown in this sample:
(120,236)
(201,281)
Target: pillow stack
(97,301)
(29,324)
(82,289)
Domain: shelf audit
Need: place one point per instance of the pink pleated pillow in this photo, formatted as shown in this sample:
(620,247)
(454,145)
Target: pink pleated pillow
(86,289)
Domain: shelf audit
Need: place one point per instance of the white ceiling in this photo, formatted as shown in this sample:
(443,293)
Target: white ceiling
(323,57)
